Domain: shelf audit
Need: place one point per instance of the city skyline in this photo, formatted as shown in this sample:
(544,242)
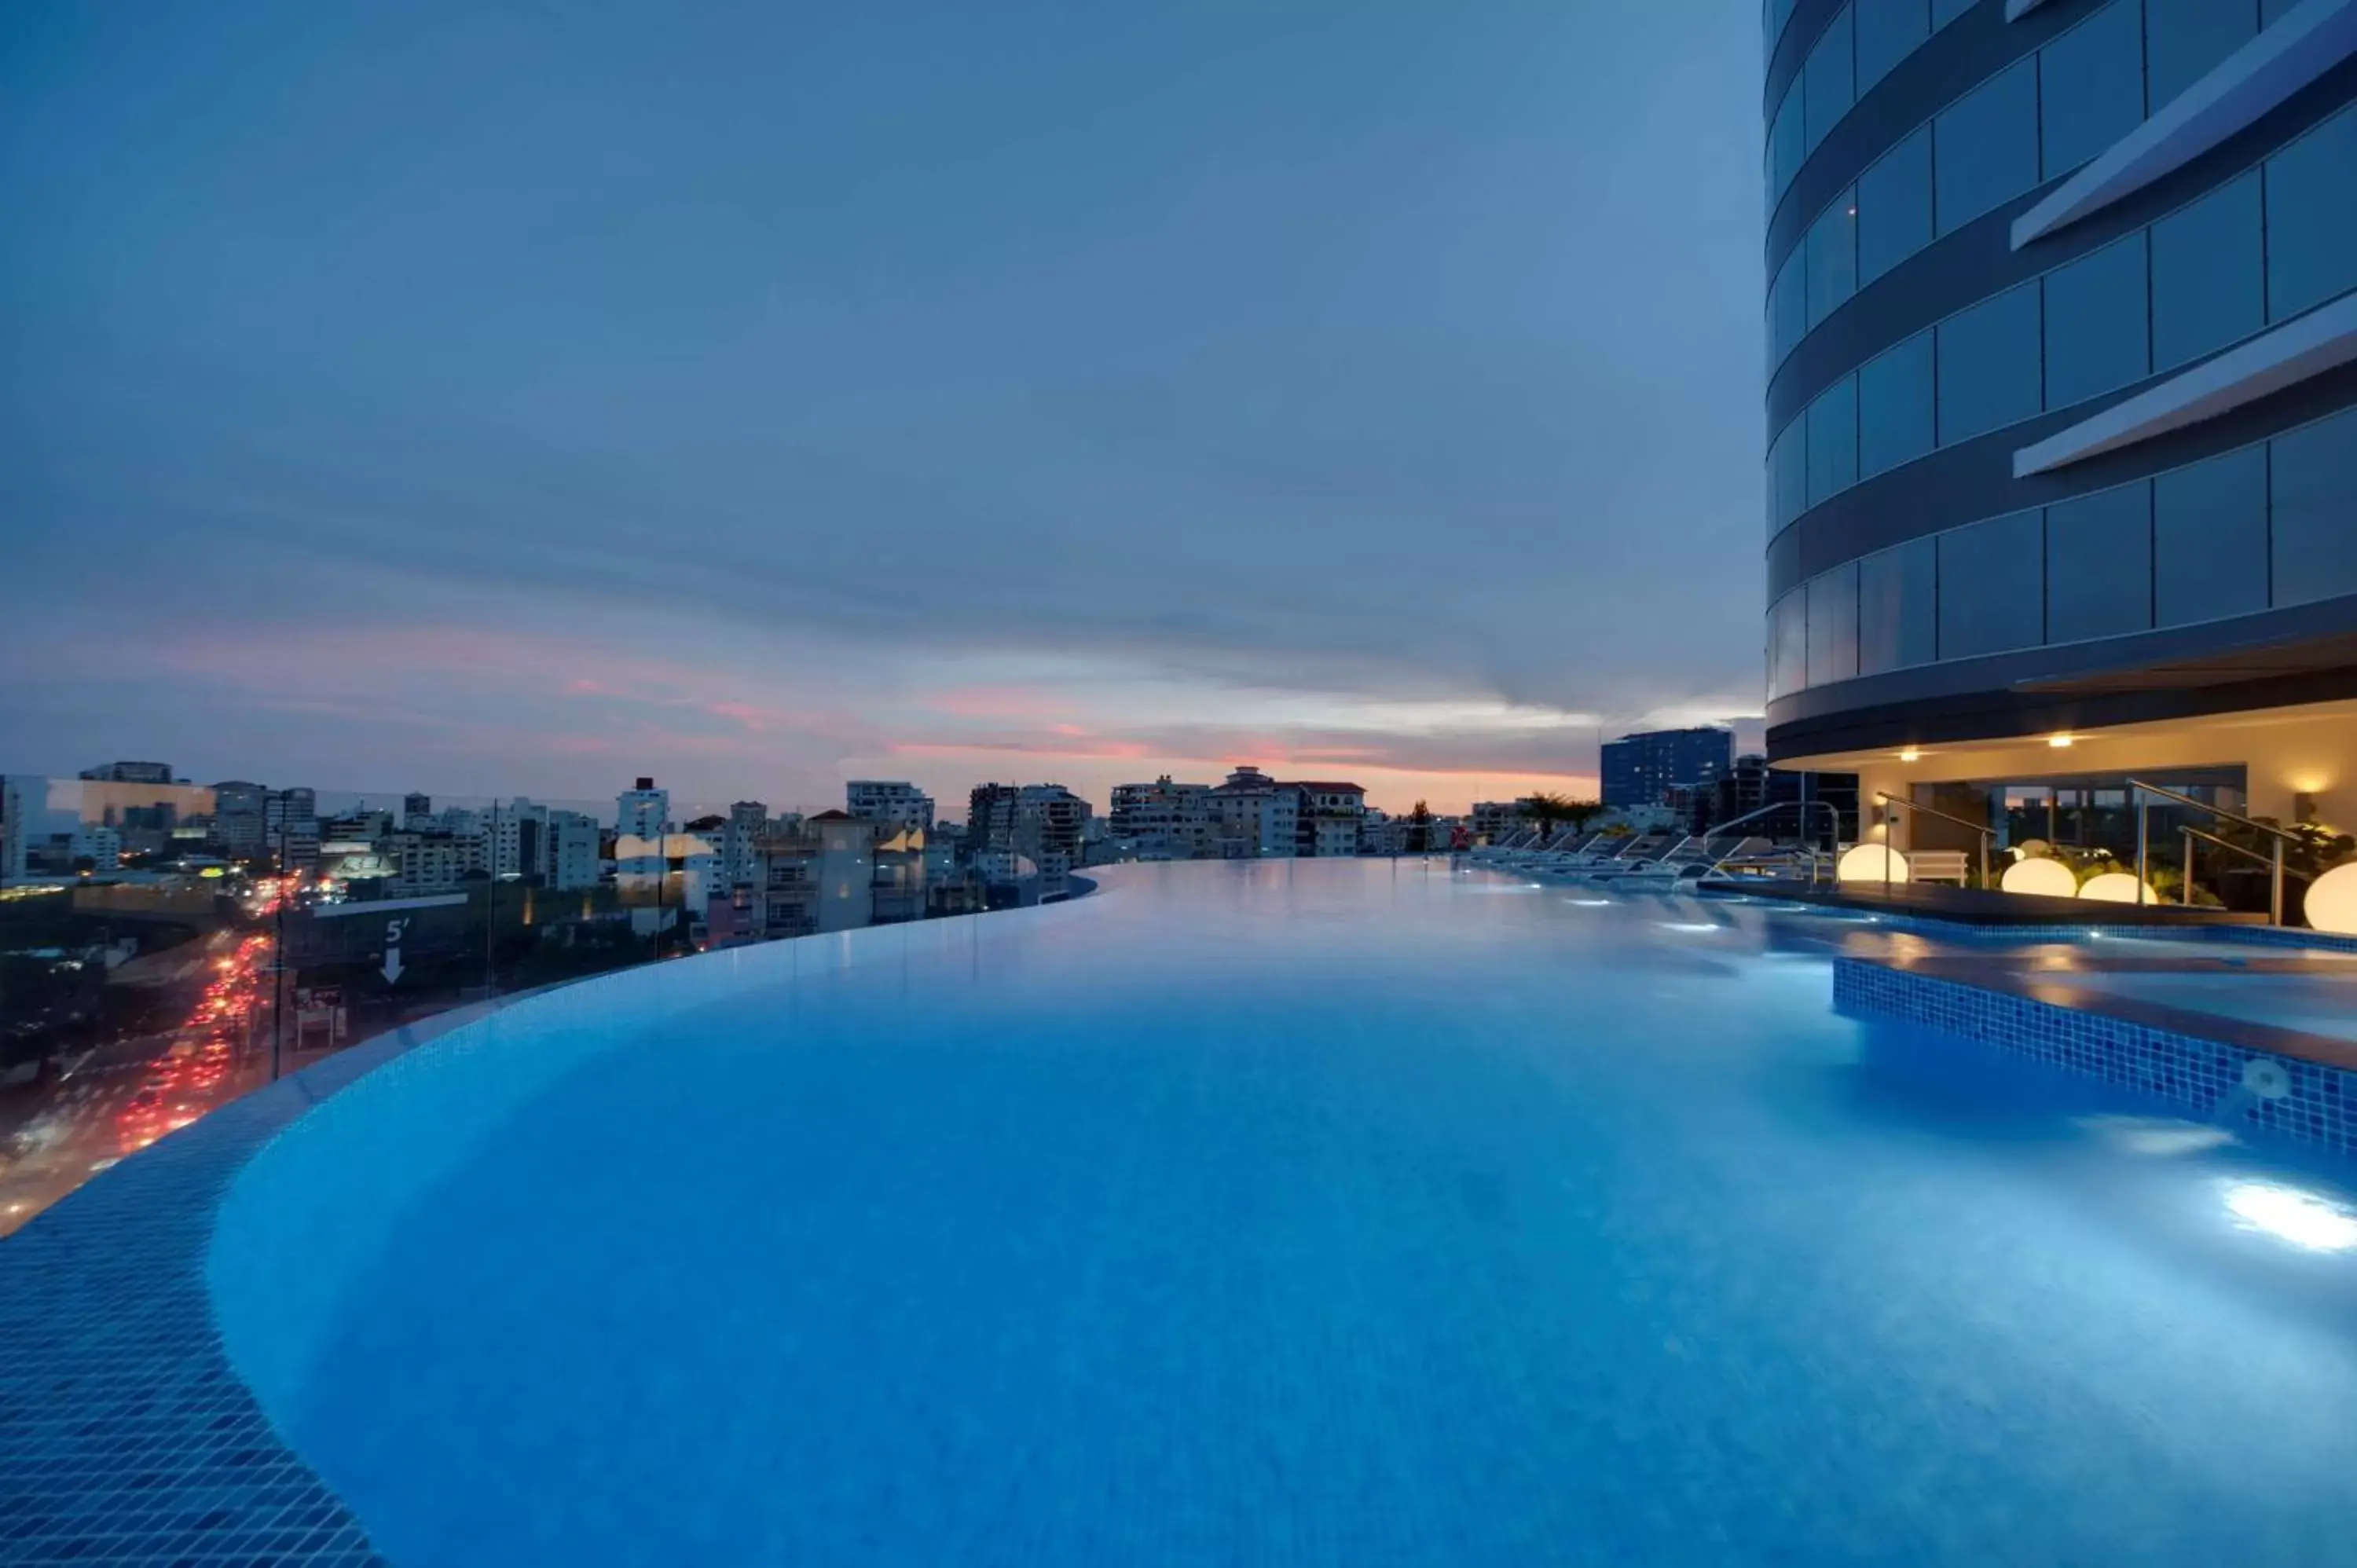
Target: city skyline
(1080,397)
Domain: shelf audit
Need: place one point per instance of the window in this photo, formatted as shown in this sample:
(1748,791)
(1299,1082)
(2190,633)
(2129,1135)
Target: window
(2210,539)
(2312,484)
(1888,32)
(1984,146)
(1832,257)
(1833,626)
(2273,11)
(2095,323)
(1787,306)
(1990,596)
(1946,11)
(1897,607)
(1788,644)
(2313,218)
(1789,466)
(1829,87)
(1785,149)
(2207,284)
(1894,406)
(2091,86)
(1833,440)
(1989,365)
(1779,13)
(2099,564)
(2184,38)
(1894,207)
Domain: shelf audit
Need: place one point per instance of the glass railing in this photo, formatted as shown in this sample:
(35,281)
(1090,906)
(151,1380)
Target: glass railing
(165,947)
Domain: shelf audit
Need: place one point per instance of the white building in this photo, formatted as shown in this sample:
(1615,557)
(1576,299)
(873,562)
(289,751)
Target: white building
(1253,816)
(1164,820)
(1332,810)
(890,802)
(432,862)
(99,845)
(739,841)
(642,816)
(568,857)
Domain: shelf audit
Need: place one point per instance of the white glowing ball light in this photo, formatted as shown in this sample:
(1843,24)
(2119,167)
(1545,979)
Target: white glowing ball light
(2332,901)
(1868,862)
(2048,878)
(2118,887)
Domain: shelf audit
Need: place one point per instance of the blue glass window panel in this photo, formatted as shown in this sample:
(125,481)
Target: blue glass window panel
(1894,406)
(2209,286)
(1791,462)
(1779,13)
(2184,38)
(1788,644)
(1832,257)
(1946,11)
(2091,87)
(1984,146)
(2273,11)
(1785,149)
(1894,207)
(1888,32)
(1989,365)
(1831,84)
(1898,607)
(2210,539)
(2097,333)
(1788,306)
(2099,564)
(1833,626)
(1833,440)
(1991,598)
(2312,486)
(2313,218)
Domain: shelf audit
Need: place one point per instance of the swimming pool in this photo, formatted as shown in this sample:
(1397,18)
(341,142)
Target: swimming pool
(1288,1213)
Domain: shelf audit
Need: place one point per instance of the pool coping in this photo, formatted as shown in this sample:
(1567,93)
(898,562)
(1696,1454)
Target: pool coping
(126,1434)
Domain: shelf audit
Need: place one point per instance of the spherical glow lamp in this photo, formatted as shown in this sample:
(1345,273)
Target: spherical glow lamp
(2332,901)
(2118,887)
(2047,878)
(1871,863)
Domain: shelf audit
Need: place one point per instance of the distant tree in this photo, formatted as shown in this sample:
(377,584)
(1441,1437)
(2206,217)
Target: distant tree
(1419,829)
(1548,812)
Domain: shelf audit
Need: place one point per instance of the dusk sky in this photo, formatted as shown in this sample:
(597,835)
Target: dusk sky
(495,397)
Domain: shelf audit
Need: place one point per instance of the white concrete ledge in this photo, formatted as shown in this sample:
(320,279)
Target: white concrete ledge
(2254,79)
(2303,347)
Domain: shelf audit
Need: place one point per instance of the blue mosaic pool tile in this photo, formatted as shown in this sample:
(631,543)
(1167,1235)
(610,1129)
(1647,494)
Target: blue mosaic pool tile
(2320,1108)
(125,1436)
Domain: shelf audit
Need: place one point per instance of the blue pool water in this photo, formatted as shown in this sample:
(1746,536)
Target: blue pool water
(1314,1213)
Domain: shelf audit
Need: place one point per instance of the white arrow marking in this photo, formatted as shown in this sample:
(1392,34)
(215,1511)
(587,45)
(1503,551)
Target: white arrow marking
(391,965)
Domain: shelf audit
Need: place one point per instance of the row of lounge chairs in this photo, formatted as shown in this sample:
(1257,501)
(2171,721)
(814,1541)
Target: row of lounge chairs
(1660,860)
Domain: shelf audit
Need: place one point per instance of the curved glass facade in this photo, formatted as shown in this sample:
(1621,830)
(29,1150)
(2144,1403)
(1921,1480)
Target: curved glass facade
(1915,350)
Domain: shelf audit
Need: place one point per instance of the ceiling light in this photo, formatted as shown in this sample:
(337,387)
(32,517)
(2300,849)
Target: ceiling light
(2057,741)
(1910,755)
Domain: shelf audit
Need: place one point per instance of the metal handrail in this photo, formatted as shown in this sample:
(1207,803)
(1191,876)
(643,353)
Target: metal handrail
(1802,806)
(2240,849)
(2218,811)
(2137,787)
(1988,834)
